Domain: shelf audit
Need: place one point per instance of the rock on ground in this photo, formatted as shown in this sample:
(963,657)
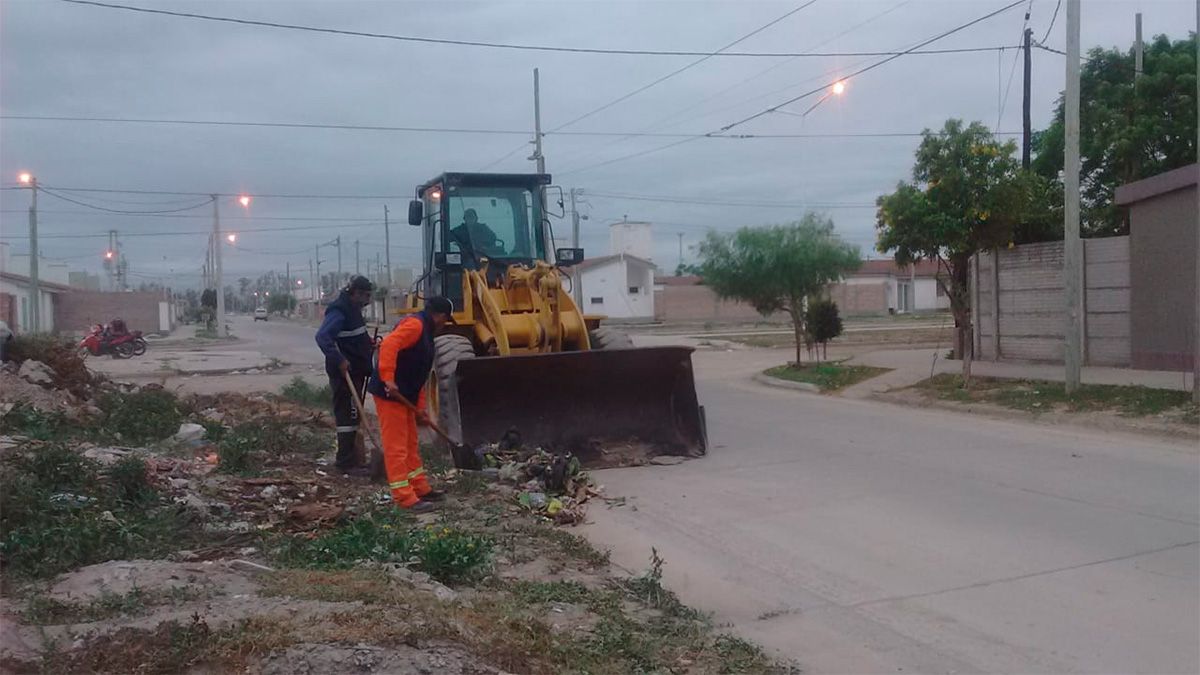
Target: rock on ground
(36,372)
(122,576)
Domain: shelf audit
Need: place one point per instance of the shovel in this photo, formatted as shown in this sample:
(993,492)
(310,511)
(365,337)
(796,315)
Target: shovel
(377,468)
(463,456)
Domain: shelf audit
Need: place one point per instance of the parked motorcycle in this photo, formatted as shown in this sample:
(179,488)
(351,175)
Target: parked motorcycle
(95,343)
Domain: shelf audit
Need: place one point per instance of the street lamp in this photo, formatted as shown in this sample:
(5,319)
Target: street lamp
(231,237)
(25,178)
(35,293)
(244,200)
(839,87)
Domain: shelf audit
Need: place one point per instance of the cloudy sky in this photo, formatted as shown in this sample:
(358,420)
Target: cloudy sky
(60,59)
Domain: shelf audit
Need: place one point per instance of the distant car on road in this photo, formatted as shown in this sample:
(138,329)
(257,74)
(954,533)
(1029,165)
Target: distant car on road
(260,314)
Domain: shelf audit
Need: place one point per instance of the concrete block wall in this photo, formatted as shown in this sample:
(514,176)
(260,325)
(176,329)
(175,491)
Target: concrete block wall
(76,310)
(860,298)
(1032,307)
(698,303)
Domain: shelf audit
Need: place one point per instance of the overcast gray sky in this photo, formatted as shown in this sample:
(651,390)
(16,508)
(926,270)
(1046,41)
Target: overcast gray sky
(61,59)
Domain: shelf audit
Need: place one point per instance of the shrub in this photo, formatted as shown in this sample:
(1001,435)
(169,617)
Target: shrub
(25,420)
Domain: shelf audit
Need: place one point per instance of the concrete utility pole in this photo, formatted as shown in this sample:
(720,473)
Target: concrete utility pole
(288,275)
(356,267)
(387,246)
(35,290)
(1026,123)
(1139,49)
(576,277)
(1196,332)
(537,125)
(1072,253)
(312,275)
(318,283)
(338,242)
(217,268)
(680,235)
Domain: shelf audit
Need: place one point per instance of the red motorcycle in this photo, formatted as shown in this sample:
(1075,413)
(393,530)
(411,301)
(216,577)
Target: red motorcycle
(114,339)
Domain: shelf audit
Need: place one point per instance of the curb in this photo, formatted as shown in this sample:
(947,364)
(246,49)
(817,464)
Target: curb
(763,378)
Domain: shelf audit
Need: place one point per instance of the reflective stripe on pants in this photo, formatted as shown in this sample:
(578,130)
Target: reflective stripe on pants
(406,476)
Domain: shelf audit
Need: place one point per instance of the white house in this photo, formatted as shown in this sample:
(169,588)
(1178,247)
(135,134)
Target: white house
(620,286)
(53,278)
(882,286)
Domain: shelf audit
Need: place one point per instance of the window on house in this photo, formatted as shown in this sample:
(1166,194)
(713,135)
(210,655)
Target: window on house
(635,290)
(597,301)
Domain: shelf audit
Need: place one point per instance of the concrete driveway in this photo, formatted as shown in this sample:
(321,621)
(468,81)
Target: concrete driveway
(861,537)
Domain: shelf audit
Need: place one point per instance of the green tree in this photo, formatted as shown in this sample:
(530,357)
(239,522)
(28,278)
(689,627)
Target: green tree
(823,323)
(968,194)
(777,268)
(1127,131)
(281,303)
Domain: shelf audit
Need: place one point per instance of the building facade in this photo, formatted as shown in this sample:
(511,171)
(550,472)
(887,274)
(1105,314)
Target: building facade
(619,286)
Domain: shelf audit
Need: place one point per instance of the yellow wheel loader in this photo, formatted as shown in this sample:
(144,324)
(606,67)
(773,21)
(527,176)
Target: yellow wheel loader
(520,352)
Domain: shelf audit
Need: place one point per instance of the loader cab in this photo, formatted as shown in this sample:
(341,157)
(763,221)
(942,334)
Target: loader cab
(467,218)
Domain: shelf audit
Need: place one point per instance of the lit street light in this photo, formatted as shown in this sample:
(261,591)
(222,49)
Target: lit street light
(231,237)
(25,178)
(244,200)
(108,255)
(839,87)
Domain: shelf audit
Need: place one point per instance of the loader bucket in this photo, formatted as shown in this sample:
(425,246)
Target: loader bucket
(606,406)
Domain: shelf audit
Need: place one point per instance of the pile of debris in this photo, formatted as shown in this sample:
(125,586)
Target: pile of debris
(551,485)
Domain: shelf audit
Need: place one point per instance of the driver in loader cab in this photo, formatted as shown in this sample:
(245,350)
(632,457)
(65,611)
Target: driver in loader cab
(476,239)
(398,384)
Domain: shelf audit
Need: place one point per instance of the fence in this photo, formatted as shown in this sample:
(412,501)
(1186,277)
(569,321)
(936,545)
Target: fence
(1027,318)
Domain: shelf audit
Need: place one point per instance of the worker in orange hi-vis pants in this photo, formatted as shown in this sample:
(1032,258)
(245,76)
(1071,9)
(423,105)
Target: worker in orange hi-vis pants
(405,359)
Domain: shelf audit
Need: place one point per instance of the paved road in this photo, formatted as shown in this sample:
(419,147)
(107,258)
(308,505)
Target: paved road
(859,537)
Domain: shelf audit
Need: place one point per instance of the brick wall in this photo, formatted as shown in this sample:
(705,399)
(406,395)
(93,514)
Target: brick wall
(698,303)
(1032,317)
(860,298)
(75,310)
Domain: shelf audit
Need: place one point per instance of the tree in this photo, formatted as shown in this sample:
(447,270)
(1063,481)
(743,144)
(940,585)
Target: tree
(281,303)
(968,194)
(823,323)
(1127,131)
(777,268)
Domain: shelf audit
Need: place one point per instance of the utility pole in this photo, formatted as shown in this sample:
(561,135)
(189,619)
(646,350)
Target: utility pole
(356,267)
(1196,332)
(387,246)
(338,243)
(1139,49)
(1026,123)
(537,125)
(317,281)
(1072,253)
(680,235)
(35,291)
(576,277)
(217,268)
(312,275)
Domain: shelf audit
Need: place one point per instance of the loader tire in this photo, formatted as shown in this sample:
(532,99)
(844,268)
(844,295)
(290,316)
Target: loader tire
(448,351)
(609,338)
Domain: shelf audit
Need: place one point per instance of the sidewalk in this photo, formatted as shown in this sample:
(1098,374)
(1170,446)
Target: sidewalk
(911,366)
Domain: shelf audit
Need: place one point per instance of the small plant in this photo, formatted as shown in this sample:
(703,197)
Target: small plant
(451,555)
(538,592)
(239,451)
(144,416)
(649,589)
(130,480)
(301,391)
(822,323)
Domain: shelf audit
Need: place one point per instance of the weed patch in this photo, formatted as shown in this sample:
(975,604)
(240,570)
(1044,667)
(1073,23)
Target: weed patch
(58,513)
(145,416)
(557,539)
(827,376)
(24,420)
(448,554)
(45,611)
(1038,396)
(301,391)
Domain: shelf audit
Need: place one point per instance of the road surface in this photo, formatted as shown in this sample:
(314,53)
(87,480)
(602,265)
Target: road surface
(860,537)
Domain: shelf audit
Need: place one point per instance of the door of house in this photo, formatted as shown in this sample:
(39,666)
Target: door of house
(904,296)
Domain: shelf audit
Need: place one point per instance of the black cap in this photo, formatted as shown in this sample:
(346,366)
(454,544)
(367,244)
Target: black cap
(360,283)
(439,305)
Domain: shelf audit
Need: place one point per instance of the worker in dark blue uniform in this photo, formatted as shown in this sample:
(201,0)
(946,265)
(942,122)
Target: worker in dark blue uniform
(348,349)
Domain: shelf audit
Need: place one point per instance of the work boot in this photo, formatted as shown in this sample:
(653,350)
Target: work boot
(434,496)
(423,507)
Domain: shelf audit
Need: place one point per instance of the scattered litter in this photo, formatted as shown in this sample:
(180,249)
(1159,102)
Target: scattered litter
(188,432)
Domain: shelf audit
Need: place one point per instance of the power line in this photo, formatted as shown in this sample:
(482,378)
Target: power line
(476,43)
(219,194)
(205,217)
(358,127)
(1057,6)
(718,202)
(52,193)
(690,65)
(184,233)
(772,109)
(1013,71)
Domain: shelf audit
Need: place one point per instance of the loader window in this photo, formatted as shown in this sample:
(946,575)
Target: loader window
(497,223)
